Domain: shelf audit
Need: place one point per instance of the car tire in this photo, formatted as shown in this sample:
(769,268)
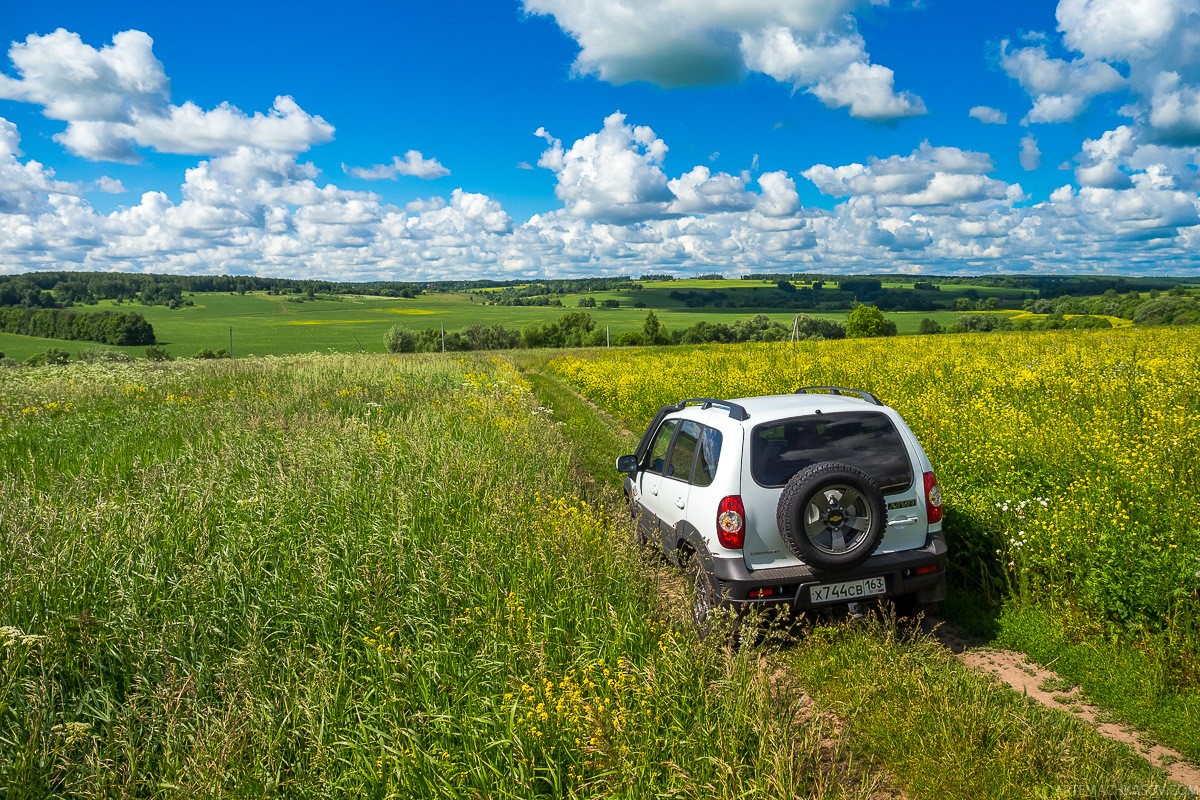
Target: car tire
(832,516)
(703,597)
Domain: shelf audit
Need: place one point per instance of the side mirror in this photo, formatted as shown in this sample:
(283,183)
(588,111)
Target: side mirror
(627,464)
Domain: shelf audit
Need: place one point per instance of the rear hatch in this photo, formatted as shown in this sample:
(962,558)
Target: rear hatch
(869,440)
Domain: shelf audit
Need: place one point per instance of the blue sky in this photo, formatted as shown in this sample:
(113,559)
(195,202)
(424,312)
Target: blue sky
(553,137)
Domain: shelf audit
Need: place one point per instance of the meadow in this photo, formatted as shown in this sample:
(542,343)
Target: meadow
(1069,462)
(263,324)
(371,576)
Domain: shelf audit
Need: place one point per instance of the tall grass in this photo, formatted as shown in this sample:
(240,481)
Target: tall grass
(347,576)
(1069,466)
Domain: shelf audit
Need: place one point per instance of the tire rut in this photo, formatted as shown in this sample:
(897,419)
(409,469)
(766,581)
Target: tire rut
(1028,678)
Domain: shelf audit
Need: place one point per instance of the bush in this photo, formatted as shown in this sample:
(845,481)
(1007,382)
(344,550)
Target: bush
(400,340)
(155,353)
(205,353)
(52,356)
(930,326)
(101,354)
(817,328)
(868,321)
(1166,309)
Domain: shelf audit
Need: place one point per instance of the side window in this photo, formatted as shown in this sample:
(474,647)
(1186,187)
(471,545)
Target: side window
(684,451)
(656,456)
(710,453)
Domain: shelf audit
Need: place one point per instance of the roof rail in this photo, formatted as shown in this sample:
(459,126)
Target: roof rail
(865,395)
(735,411)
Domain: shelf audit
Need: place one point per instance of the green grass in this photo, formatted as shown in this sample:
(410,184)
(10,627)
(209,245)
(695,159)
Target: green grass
(348,576)
(947,731)
(1150,686)
(910,706)
(264,324)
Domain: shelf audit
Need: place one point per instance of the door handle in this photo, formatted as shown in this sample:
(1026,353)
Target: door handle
(654,491)
(679,502)
(902,521)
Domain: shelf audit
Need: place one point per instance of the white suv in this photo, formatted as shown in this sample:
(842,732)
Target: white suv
(810,499)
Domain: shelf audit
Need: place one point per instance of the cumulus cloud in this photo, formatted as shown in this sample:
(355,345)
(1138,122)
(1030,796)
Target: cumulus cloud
(935,209)
(614,175)
(1031,156)
(989,115)
(837,72)
(413,164)
(814,45)
(701,192)
(107,185)
(116,100)
(1061,90)
(1148,48)
(930,176)
(24,187)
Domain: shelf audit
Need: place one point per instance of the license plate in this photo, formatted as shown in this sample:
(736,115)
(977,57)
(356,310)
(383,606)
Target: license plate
(846,591)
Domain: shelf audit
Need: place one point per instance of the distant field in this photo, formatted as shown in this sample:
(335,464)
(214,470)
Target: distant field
(270,325)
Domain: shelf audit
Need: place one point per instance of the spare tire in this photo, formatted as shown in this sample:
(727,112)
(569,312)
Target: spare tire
(832,516)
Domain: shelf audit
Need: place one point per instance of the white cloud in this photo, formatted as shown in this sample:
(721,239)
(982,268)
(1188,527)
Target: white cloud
(837,72)
(814,45)
(933,210)
(116,100)
(930,176)
(1031,156)
(614,175)
(989,115)
(413,164)
(107,185)
(1175,110)
(1061,90)
(27,187)
(701,192)
(1153,42)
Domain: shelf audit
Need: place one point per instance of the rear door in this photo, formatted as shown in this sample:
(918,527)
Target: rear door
(675,487)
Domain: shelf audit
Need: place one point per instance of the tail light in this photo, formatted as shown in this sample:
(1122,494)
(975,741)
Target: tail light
(731,523)
(933,498)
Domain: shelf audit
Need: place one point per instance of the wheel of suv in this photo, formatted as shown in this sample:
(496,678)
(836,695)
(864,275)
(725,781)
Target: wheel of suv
(832,516)
(703,597)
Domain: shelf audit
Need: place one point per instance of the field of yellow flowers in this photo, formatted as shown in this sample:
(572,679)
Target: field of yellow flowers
(1069,460)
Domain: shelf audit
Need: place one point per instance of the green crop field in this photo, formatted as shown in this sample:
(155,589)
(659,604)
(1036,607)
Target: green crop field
(263,324)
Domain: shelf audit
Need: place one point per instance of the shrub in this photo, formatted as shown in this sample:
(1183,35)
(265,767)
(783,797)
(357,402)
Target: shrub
(101,354)
(156,353)
(52,356)
(867,321)
(400,340)
(930,326)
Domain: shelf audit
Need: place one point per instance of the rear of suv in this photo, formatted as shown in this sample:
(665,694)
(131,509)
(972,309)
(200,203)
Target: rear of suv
(813,499)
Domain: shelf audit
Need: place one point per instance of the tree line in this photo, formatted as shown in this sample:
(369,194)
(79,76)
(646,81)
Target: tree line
(106,327)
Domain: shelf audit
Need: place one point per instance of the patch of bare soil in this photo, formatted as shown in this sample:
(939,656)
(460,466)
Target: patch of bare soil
(1047,688)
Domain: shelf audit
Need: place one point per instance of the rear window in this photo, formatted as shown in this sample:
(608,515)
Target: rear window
(865,440)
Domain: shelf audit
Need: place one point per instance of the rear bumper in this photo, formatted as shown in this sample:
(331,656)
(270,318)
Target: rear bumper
(790,585)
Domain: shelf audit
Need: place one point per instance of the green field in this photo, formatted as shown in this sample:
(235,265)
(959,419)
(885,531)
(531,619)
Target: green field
(265,324)
(373,576)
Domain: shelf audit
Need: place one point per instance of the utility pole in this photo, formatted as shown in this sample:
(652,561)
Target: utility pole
(231,341)
(443,337)
(607,336)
